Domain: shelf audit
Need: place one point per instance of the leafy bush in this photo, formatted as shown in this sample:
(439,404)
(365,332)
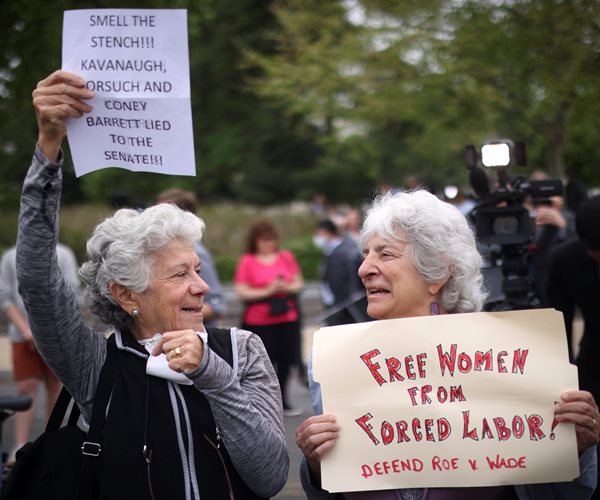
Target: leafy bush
(225,234)
(309,257)
(225,265)
(8,234)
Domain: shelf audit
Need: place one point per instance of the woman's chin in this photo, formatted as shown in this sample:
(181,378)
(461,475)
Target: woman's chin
(376,311)
(193,323)
(198,326)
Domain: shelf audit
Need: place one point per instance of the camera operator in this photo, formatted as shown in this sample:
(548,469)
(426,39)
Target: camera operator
(553,225)
(517,225)
(574,281)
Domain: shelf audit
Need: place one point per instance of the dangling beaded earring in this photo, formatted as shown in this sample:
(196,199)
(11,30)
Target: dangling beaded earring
(135,313)
(435,308)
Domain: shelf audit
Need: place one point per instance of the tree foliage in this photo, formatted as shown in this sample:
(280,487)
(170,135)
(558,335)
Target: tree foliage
(291,97)
(419,80)
(243,142)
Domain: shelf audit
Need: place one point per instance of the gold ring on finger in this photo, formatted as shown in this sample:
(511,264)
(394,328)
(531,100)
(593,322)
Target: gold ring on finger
(175,353)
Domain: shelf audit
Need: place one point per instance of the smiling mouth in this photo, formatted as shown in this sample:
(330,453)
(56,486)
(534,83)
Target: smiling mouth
(193,310)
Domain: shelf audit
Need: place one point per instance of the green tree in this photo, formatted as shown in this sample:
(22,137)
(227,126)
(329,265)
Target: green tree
(536,60)
(419,80)
(246,146)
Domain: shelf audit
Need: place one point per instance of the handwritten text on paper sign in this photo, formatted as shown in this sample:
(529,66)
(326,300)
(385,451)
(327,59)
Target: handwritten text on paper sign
(136,63)
(463,400)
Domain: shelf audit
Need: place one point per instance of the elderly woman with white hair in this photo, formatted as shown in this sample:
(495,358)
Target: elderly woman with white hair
(193,413)
(419,259)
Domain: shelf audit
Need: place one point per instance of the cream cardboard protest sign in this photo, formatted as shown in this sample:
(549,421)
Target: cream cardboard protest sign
(136,62)
(451,400)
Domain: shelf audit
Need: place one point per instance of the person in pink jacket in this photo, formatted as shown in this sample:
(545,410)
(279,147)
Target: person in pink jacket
(268,279)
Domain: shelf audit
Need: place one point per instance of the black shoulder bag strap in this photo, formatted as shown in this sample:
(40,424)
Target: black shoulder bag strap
(60,409)
(64,398)
(92,447)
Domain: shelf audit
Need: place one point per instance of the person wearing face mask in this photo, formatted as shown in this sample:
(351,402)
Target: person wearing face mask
(340,283)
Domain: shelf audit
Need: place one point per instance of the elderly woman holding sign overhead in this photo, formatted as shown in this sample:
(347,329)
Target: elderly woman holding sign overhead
(193,413)
(420,259)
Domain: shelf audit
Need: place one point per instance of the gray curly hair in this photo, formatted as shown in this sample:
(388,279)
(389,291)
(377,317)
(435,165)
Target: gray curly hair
(440,243)
(120,251)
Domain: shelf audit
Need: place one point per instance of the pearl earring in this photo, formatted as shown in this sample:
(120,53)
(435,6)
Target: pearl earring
(135,313)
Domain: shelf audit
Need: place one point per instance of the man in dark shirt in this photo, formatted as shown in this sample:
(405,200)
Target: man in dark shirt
(574,281)
(340,285)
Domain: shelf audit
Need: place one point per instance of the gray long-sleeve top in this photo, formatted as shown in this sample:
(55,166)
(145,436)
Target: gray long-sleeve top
(245,403)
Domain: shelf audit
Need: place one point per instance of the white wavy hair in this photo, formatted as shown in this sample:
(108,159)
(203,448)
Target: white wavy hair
(120,251)
(440,243)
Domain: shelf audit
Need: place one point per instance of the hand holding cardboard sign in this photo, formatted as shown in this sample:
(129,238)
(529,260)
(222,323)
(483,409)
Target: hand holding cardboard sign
(579,408)
(316,436)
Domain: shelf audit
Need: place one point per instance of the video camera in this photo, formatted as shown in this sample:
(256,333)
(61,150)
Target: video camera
(503,225)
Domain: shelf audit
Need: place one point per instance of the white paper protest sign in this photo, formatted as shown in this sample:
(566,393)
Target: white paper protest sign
(447,401)
(136,62)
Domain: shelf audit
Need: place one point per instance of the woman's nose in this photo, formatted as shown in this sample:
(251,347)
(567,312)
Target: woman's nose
(366,268)
(199,286)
